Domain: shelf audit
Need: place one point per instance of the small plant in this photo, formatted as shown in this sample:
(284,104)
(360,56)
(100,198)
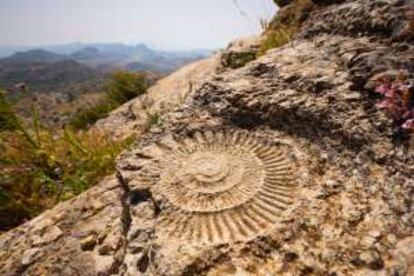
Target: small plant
(154,119)
(398,99)
(276,39)
(264,24)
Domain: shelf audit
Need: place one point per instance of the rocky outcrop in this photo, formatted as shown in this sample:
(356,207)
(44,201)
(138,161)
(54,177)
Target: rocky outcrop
(283,166)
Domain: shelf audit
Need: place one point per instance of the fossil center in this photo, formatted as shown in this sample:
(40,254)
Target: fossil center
(208,168)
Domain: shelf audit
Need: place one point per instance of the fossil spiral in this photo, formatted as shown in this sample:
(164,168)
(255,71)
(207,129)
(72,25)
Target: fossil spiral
(219,187)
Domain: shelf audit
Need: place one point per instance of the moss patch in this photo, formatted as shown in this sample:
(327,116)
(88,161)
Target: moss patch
(236,60)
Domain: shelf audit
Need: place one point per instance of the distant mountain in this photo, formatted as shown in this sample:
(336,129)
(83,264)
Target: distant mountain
(86,53)
(48,76)
(92,57)
(136,58)
(32,56)
(160,63)
(113,55)
(84,66)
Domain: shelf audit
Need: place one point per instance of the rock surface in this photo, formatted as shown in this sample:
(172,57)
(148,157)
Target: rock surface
(283,166)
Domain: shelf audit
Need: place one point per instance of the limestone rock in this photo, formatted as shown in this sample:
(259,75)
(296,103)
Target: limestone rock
(282,166)
(405,250)
(30,256)
(51,244)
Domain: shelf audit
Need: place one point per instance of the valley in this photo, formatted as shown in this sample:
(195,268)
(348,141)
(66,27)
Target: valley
(62,80)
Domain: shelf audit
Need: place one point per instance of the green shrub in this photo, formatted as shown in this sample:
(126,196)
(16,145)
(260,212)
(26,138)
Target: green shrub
(87,117)
(122,87)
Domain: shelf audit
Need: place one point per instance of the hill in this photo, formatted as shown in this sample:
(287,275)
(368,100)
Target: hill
(78,76)
(46,76)
(53,86)
(31,56)
(135,58)
(46,71)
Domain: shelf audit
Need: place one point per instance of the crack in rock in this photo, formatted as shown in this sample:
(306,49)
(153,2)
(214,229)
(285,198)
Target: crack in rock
(126,225)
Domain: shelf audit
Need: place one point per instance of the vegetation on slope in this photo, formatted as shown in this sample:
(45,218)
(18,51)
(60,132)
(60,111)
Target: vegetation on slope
(286,23)
(122,87)
(41,166)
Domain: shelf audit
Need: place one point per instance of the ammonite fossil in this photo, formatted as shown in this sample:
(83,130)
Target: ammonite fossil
(220,187)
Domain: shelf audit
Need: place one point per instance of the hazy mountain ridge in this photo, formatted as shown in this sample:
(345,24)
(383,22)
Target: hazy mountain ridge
(47,71)
(32,56)
(44,72)
(59,78)
(116,54)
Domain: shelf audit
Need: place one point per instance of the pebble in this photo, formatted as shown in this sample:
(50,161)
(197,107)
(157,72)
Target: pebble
(375,234)
(372,260)
(30,256)
(88,243)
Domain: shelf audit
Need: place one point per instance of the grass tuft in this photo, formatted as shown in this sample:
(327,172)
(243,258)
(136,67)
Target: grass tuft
(286,24)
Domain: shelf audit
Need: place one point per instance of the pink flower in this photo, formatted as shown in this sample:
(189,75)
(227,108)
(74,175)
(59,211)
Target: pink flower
(394,100)
(384,104)
(382,89)
(406,86)
(409,124)
(390,93)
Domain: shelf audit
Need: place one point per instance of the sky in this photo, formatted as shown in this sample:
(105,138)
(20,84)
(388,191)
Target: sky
(163,24)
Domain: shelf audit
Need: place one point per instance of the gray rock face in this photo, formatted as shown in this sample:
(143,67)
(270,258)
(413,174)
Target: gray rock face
(283,166)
